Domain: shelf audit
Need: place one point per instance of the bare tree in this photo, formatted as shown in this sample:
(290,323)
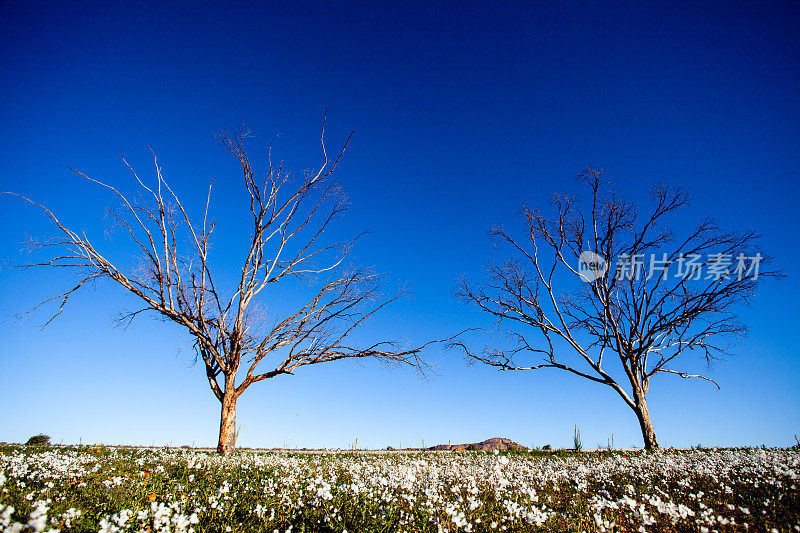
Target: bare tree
(174,277)
(668,295)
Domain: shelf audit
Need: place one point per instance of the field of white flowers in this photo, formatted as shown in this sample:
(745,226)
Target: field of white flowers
(109,490)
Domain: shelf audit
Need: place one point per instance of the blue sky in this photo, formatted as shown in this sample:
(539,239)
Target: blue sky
(461,113)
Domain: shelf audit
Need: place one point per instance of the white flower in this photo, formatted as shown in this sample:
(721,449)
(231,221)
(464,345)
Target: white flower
(5,515)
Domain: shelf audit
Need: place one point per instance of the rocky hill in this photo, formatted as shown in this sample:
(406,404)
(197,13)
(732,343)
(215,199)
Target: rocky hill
(496,443)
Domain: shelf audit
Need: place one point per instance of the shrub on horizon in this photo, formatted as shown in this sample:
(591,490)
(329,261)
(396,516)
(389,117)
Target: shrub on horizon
(39,440)
(576,439)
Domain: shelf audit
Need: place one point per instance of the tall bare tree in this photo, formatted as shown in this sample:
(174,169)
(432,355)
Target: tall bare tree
(668,295)
(175,278)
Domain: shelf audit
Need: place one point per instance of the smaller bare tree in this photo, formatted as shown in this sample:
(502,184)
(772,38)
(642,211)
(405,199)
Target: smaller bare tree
(667,297)
(174,277)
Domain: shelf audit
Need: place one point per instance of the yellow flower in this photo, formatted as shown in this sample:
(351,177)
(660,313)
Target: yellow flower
(151,496)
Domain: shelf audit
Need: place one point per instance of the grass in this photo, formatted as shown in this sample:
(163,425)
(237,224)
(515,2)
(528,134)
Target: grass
(116,489)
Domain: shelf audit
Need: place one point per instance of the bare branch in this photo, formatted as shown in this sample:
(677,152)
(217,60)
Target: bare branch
(685,375)
(172,276)
(648,319)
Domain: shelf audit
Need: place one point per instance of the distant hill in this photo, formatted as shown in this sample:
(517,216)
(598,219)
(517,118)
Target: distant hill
(496,443)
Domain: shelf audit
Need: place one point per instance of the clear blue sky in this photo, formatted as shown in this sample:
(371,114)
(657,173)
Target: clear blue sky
(461,113)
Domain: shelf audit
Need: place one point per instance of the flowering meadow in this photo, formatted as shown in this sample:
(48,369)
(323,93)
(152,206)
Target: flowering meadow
(49,488)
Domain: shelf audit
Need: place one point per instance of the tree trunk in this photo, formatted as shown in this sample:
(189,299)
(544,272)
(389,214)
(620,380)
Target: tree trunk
(648,433)
(227,421)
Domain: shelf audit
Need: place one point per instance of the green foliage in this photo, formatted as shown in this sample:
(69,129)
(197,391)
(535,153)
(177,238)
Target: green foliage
(39,440)
(276,492)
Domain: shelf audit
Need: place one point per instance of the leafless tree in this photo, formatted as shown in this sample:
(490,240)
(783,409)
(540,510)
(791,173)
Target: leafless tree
(668,295)
(174,277)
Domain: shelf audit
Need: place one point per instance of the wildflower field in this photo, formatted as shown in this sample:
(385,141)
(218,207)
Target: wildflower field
(44,488)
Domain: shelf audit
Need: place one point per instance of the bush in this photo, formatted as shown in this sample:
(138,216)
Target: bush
(576,439)
(39,440)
